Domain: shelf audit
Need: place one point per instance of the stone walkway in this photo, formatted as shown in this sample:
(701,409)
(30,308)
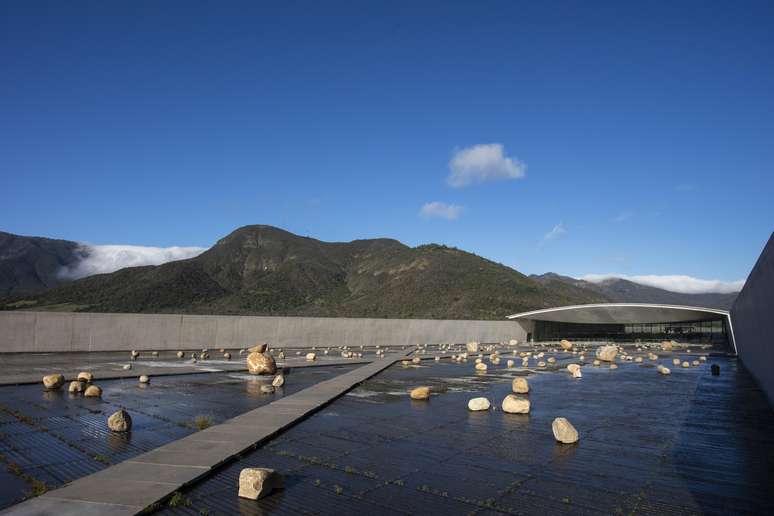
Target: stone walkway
(135,484)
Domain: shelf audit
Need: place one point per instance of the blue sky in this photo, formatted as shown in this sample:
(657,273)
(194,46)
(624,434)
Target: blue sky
(640,136)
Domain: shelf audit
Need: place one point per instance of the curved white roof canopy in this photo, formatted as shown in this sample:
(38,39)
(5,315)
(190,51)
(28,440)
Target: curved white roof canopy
(629,313)
(623,313)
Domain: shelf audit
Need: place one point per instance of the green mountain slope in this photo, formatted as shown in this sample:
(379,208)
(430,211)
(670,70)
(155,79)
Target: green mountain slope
(267,271)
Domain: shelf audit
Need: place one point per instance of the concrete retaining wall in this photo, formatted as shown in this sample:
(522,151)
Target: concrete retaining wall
(753,318)
(50,331)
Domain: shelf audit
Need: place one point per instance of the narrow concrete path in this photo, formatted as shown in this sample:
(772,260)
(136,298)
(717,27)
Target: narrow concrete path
(131,486)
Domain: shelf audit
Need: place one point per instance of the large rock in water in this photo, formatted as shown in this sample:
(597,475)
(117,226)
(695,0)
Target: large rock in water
(520,385)
(75,387)
(261,363)
(515,405)
(566,344)
(607,353)
(472,347)
(564,432)
(255,483)
(53,382)
(420,393)
(93,391)
(120,421)
(478,404)
(85,376)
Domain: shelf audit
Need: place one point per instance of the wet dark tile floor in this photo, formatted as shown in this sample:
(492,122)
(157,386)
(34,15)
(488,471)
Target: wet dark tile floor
(688,443)
(55,437)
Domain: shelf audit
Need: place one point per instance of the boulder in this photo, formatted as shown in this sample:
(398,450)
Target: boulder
(180,354)
(513,342)
(675,361)
(541,364)
(476,404)
(267,389)
(664,370)
(514,405)
(227,355)
(597,363)
(311,357)
(472,347)
(127,367)
(607,353)
(278,381)
(638,359)
(120,421)
(255,483)
(144,379)
(135,353)
(85,376)
(666,345)
(510,363)
(695,363)
(577,373)
(520,385)
(420,393)
(416,360)
(155,353)
(481,366)
(53,382)
(75,387)
(93,391)
(566,344)
(564,432)
(686,364)
(260,348)
(281,355)
(573,367)
(261,363)
(551,360)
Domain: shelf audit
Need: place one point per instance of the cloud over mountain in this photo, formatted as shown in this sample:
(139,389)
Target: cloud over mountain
(101,259)
(674,283)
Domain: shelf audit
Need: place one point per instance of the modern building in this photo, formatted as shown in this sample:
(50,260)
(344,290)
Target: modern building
(630,322)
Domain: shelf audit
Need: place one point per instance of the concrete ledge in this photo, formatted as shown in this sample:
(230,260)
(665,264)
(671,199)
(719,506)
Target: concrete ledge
(22,331)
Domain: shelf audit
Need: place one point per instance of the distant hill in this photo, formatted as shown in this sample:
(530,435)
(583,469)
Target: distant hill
(31,264)
(266,270)
(624,291)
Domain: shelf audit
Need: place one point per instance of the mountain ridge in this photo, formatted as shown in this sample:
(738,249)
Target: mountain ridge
(264,270)
(624,291)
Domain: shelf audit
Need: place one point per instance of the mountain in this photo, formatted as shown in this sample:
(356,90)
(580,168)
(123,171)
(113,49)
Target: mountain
(624,291)
(29,264)
(268,271)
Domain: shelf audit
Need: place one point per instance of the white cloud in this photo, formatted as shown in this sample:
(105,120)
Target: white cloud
(555,233)
(440,210)
(623,216)
(481,163)
(100,259)
(675,283)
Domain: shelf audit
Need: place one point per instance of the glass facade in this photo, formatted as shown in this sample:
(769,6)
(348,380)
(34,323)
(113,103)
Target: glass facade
(708,332)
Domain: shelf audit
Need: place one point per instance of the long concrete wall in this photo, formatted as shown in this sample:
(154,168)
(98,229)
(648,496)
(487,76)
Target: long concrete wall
(753,318)
(50,331)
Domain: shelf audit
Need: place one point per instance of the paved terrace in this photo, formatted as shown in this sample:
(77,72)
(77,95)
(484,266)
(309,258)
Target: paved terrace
(29,368)
(689,443)
(126,488)
(684,444)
